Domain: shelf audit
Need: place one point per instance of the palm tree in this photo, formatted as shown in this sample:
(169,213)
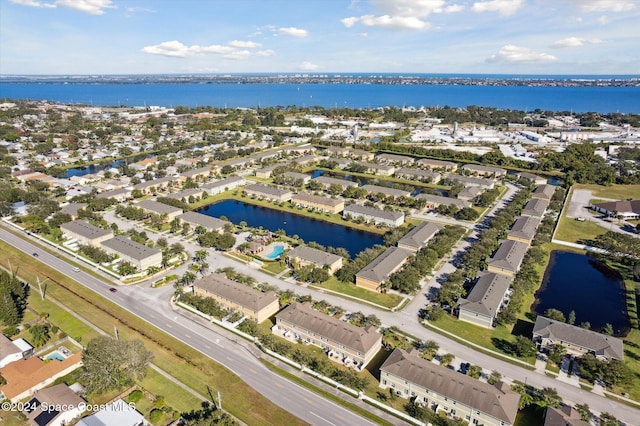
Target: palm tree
(429,350)
(446,359)
(187,279)
(202,267)
(200,255)
(152,270)
(39,334)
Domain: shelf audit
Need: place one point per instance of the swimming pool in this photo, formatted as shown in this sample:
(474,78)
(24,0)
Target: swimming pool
(55,355)
(277,251)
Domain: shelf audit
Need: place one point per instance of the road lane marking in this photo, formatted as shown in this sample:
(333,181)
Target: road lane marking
(187,336)
(169,325)
(207,346)
(307,400)
(279,385)
(321,418)
(253,371)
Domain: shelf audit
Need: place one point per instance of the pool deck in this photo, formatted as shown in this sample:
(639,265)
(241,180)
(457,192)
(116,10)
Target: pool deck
(268,249)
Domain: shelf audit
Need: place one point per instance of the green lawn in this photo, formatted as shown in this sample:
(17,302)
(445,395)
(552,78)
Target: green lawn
(387,300)
(573,231)
(620,192)
(274,267)
(193,368)
(497,340)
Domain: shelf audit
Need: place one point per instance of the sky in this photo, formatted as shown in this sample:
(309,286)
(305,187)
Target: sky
(319,36)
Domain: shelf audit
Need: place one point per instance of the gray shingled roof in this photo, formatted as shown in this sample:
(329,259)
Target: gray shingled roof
(535,207)
(524,227)
(599,344)
(382,266)
(318,257)
(386,191)
(222,183)
(130,248)
(419,235)
(265,189)
(544,192)
(621,207)
(418,173)
(235,292)
(447,201)
(394,157)
(436,163)
(157,207)
(326,180)
(481,168)
(357,338)
(374,212)
(486,296)
(509,255)
(497,401)
(469,180)
(210,223)
(317,199)
(85,229)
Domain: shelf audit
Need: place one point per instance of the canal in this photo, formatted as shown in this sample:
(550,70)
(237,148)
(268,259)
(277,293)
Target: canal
(309,229)
(579,283)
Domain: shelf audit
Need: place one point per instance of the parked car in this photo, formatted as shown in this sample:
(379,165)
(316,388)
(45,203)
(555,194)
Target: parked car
(113,289)
(76,269)
(35,254)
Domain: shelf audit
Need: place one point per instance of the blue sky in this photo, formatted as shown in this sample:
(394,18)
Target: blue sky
(319,36)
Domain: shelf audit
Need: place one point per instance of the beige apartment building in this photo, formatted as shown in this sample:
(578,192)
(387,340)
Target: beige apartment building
(318,202)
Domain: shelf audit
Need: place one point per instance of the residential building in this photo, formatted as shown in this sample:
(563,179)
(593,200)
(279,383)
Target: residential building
(196,174)
(140,256)
(303,256)
(439,165)
(343,342)
(26,376)
(306,160)
(482,304)
(418,237)
(116,413)
(508,258)
(211,224)
(295,176)
(378,169)
(471,181)
(223,185)
(153,186)
(628,209)
(11,351)
(163,210)
(54,406)
(480,170)
(384,190)
(85,233)
(268,192)
(531,178)
(543,192)
(535,208)
(72,209)
(328,181)
(524,229)
(318,202)
(395,159)
(360,154)
(433,201)
(373,215)
(576,340)
(252,303)
(469,193)
(563,416)
(185,194)
(120,195)
(376,273)
(418,174)
(266,172)
(441,389)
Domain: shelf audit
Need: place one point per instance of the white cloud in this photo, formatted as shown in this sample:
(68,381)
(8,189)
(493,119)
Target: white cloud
(603,20)
(267,52)
(402,14)
(517,54)
(308,66)
(244,44)
(176,49)
(605,5)
(574,42)
(33,3)
(503,7)
(394,22)
(92,7)
(294,32)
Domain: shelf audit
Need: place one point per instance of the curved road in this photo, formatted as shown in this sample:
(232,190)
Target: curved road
(299,401)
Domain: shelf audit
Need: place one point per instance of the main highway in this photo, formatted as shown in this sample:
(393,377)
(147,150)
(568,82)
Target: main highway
(295,399)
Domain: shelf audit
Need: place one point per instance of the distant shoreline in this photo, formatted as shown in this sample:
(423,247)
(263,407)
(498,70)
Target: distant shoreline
(373,79)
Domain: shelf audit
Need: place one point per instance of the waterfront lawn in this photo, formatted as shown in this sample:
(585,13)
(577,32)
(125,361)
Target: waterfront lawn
(349,289)
(619,192)
(194,369)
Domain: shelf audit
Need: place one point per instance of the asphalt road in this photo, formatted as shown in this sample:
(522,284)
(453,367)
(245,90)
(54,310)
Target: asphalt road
(299,401)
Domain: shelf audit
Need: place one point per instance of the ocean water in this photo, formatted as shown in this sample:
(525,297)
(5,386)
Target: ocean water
(576,99)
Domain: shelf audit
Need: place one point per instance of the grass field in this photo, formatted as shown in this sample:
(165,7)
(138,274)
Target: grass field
(618,192)
(193,368)
(388,300)
(573,231)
